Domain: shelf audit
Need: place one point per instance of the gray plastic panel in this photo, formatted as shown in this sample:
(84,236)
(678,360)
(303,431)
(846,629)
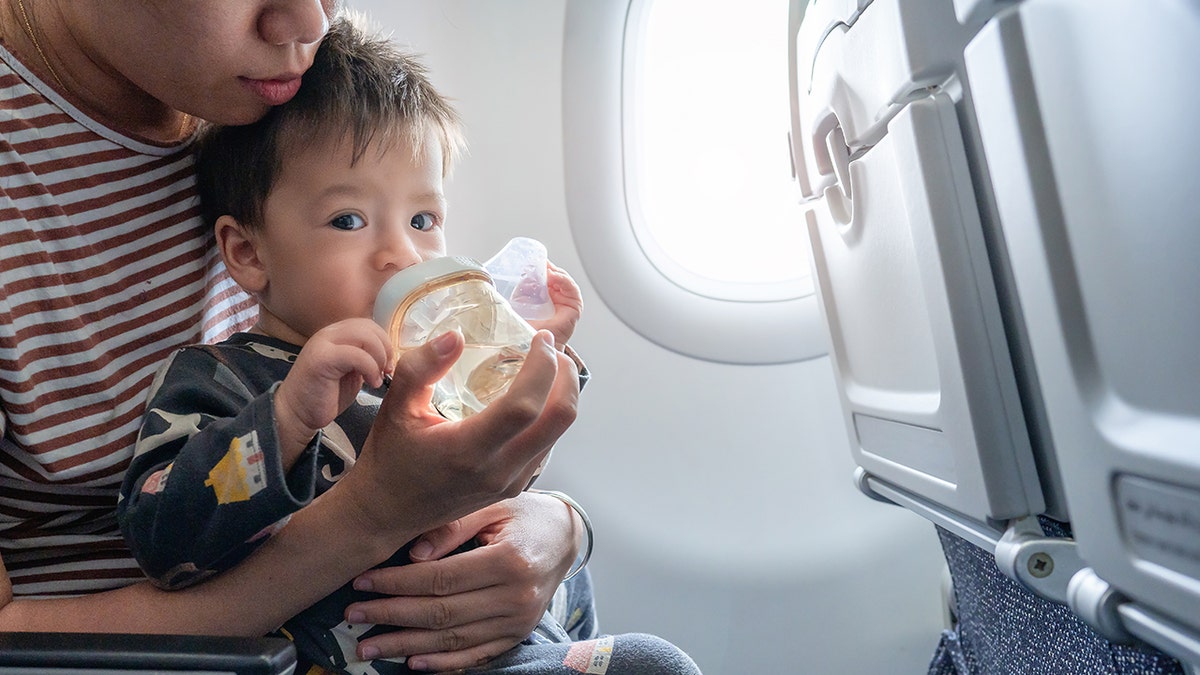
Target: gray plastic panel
(918,349)
(969,11)
(1087,113)
(856,63)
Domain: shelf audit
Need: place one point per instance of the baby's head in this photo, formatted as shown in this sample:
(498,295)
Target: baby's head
(325,198)
(361,89)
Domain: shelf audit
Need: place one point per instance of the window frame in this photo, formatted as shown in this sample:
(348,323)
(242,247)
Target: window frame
(652,303)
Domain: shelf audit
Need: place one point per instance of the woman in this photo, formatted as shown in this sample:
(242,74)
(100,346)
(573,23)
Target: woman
(105,271)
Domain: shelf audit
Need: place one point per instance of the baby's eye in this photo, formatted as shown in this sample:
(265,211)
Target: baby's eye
(423,221)
(348,222)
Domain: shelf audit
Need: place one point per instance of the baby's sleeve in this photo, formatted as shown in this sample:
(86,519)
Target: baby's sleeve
(206,485)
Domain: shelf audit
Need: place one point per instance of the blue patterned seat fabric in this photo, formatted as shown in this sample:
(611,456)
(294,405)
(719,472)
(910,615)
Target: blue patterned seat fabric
(1002,629)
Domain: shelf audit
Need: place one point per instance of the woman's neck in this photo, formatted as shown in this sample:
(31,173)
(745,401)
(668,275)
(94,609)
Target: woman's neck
(47,43)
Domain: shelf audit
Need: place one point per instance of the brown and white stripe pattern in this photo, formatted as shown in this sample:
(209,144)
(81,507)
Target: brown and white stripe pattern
(105,269)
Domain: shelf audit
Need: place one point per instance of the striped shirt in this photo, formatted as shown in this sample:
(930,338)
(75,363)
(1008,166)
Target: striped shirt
(105,270)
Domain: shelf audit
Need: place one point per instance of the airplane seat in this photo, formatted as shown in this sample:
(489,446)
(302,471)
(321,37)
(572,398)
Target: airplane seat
(1002,215)
(111,654)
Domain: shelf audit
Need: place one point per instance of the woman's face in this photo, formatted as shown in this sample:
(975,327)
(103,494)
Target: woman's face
(225,61)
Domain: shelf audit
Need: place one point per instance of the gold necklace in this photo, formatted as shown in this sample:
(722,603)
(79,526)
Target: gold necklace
(37,45)
(183,123)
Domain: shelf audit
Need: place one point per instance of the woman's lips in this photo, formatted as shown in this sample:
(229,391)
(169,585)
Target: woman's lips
(274,92)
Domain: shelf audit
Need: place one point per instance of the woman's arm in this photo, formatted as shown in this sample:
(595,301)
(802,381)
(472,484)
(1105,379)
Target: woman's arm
(325,545)
(453,469)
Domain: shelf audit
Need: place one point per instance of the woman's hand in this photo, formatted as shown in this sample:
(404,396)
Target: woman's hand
(463,610)
(418,471)
(425,471)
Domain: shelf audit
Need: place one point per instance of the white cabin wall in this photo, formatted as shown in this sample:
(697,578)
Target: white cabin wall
(725,516)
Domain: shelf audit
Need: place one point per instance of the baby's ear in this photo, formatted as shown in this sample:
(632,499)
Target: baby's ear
(239,250)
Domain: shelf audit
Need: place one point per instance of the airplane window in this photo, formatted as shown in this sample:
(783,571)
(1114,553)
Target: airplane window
(675,120)
(708,174)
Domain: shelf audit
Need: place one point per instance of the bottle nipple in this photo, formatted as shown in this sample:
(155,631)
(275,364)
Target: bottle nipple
(519,272)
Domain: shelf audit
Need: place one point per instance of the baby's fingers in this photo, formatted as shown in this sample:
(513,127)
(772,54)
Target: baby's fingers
(562,287)
(365,335)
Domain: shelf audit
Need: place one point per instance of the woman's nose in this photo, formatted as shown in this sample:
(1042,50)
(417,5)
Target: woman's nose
(294,21)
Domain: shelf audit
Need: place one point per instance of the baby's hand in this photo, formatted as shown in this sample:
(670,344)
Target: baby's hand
(568,305)
(326,378)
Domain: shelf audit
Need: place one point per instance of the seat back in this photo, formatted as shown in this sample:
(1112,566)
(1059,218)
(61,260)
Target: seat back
(1089,108)
(1003,207)
(886,156)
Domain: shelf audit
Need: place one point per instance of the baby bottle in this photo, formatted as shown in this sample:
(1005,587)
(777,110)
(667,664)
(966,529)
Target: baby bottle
(439,295)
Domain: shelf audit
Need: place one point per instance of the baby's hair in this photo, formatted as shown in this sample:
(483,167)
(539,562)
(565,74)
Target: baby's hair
(361,87)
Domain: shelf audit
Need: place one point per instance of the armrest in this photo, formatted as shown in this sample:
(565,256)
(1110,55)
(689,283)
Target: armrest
(71,653)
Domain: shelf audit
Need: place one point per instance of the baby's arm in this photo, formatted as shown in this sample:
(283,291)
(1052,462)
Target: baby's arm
(568,305)
(327,375)
(205,478)
(221,464)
